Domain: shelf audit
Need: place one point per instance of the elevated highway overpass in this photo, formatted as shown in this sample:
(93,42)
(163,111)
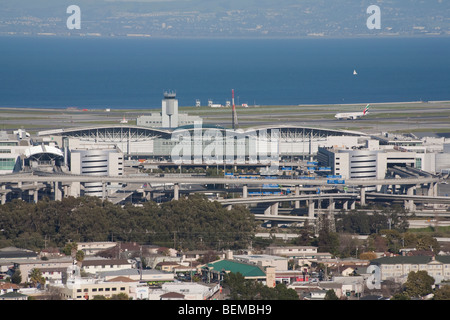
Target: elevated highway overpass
(69,185)
(67,178)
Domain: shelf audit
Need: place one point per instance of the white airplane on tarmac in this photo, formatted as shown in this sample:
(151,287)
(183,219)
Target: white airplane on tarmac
(352,115)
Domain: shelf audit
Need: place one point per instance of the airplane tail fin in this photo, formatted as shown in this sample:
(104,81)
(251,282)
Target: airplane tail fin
(366,109)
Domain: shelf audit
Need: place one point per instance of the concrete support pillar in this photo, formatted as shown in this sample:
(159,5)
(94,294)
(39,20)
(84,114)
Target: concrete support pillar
(409,205)
(345,205)
(3,194)
(66,191)
(363,196)
(19,186)
(311,205)
(332,204)
(36,196)
(244,191)
(297,193)
(274,208)
(353,205)
(103,190)
(57,191)
(35,192)
(229,207)
(268,210)
(432,189)
(75,189)
(176,191)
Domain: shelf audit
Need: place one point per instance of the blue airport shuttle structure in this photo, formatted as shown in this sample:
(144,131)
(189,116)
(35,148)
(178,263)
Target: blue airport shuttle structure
(335,181)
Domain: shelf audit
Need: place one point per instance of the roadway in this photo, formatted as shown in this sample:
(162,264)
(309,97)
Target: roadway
(415,198)
(284,198)
(66,178)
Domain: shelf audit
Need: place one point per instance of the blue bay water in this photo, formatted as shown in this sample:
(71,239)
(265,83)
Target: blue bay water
(133,73)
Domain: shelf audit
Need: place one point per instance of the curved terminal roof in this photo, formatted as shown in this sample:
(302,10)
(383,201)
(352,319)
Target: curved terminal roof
(118,128)
(37,151)
(308,129)
(121,132)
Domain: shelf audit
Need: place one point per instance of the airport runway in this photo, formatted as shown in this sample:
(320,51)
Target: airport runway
(429,118)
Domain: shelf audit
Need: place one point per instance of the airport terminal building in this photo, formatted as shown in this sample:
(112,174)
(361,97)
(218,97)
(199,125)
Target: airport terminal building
(110,150)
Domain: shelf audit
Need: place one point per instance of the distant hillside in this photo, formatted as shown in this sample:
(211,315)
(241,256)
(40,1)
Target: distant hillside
(233,18)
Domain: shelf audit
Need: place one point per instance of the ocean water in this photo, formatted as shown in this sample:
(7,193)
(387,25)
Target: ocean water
(133,73)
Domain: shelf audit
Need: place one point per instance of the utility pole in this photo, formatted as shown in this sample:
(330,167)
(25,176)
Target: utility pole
(174,239)
(140,263)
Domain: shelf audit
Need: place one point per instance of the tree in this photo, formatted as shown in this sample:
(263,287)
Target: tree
(305,236)
(419,284)
(443,293)
(400,296)
(376,242)
(16,278)
(393,239)
(331,295)
(244,289)
(327,241)
(427,242)
(368,255)
(240,288)
(120,296)
(70,248)
(79,255)
(36,277)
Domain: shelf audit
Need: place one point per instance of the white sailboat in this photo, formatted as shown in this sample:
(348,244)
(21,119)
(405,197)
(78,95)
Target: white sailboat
(354,72)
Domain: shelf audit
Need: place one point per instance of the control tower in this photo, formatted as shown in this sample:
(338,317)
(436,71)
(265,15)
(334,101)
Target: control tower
(169,112)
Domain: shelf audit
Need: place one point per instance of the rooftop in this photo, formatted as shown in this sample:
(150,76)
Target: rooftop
(410,260)
(247,270)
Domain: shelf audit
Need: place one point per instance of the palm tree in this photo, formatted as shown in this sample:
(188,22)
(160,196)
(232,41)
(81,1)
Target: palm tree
(36,277)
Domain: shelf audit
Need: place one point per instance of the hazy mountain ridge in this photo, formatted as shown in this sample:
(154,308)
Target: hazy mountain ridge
(208,18)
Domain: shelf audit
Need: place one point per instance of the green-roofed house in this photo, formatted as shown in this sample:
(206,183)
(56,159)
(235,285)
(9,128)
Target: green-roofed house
(215,271)
(398,268)
(13,296)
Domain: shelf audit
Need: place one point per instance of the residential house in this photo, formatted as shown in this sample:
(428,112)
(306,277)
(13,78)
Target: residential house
(152,259)
(150,275)
(302,255)
(315,295)
(102,265)
(171,296)
(196,255)
(6,287)
(189,290)
(93,248)
(342,287)
(13,296)
(292,251)
(167,266)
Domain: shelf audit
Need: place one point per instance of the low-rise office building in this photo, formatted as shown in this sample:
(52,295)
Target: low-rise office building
(397,268)
(264,260)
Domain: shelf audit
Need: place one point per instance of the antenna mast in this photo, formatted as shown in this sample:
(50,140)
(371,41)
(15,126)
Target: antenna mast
(235,122)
